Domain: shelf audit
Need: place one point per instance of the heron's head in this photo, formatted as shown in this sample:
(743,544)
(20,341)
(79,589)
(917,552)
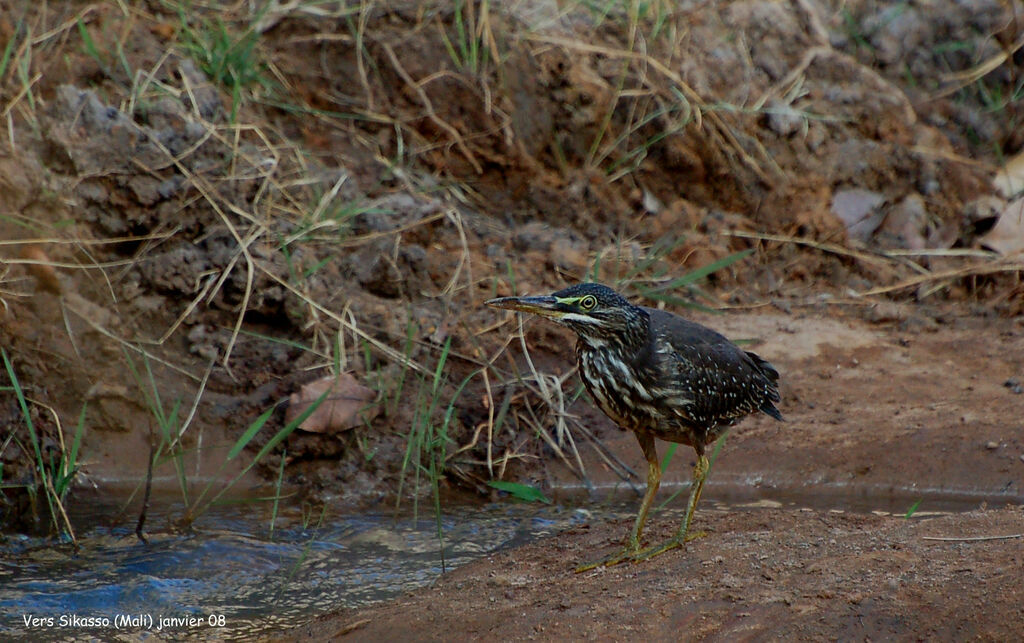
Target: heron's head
(598,314)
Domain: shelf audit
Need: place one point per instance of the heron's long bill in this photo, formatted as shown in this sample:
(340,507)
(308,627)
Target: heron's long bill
(543,305)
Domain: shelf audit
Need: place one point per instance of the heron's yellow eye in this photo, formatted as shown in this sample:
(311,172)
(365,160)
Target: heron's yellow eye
(588,302)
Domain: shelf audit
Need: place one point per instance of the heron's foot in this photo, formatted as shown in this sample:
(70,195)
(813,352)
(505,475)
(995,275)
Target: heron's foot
(621,556)
(668,545)
(632,552)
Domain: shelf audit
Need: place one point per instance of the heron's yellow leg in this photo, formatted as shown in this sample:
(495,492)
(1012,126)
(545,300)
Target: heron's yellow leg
(653,482)
(683,536)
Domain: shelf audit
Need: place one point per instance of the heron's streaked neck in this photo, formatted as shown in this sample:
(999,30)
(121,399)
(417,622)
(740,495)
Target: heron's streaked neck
(627,336)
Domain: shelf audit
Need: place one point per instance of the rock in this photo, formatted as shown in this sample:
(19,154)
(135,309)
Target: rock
(533,236)
(887,311)
(146,189)
(378,273)
(388,273)
(569,256)
(1014,385)
(561,247)
(204,343)
(207,96)
(859,210)
(857,161)
(983,209)
(178,271)
(905,224)
(895,31)
(170,187)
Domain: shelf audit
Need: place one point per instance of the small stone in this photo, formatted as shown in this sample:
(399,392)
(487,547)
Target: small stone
(992,446)
(887,312)
(906,224)
(859,210)
(1014,385)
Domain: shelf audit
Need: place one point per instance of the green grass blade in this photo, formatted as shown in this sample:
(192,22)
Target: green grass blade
(277,493)
(250,433)
(699,273)
(519,491)
(668,456)
(8,50)
(288,429)
(40,465)
(913,508)
(267,448)
(711,463)
(76,442)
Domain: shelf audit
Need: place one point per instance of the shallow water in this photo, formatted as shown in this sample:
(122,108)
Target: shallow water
(230,577)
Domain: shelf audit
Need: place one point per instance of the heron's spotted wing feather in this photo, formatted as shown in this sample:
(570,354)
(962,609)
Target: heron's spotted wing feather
(722,381)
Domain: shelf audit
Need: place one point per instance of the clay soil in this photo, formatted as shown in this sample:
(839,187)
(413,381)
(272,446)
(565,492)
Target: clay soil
(205,209)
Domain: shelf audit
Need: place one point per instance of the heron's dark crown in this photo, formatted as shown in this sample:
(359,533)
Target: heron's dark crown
(605,295)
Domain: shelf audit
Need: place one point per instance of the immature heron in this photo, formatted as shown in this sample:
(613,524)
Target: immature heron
(660,376)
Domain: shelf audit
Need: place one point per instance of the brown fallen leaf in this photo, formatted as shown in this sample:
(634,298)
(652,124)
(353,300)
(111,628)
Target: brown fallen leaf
(1009,180)
(345,406)
(1007,236)
(45,274)
(164,30)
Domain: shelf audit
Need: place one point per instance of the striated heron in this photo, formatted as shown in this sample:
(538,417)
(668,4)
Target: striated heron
(660,376)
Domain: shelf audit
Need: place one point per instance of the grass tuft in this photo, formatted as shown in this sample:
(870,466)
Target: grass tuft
(54,472)
(231,60)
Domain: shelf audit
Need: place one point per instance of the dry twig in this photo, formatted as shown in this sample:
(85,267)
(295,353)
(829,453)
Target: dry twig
(971,539)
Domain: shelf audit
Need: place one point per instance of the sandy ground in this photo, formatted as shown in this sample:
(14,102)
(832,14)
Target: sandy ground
(770,574)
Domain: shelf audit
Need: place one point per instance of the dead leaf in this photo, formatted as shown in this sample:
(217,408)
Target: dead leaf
(345,406)
(44,272)
(164,30)
(1007,236)
(1009,180)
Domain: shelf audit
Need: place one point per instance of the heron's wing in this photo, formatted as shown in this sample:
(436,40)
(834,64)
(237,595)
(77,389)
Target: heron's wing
(722,381)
